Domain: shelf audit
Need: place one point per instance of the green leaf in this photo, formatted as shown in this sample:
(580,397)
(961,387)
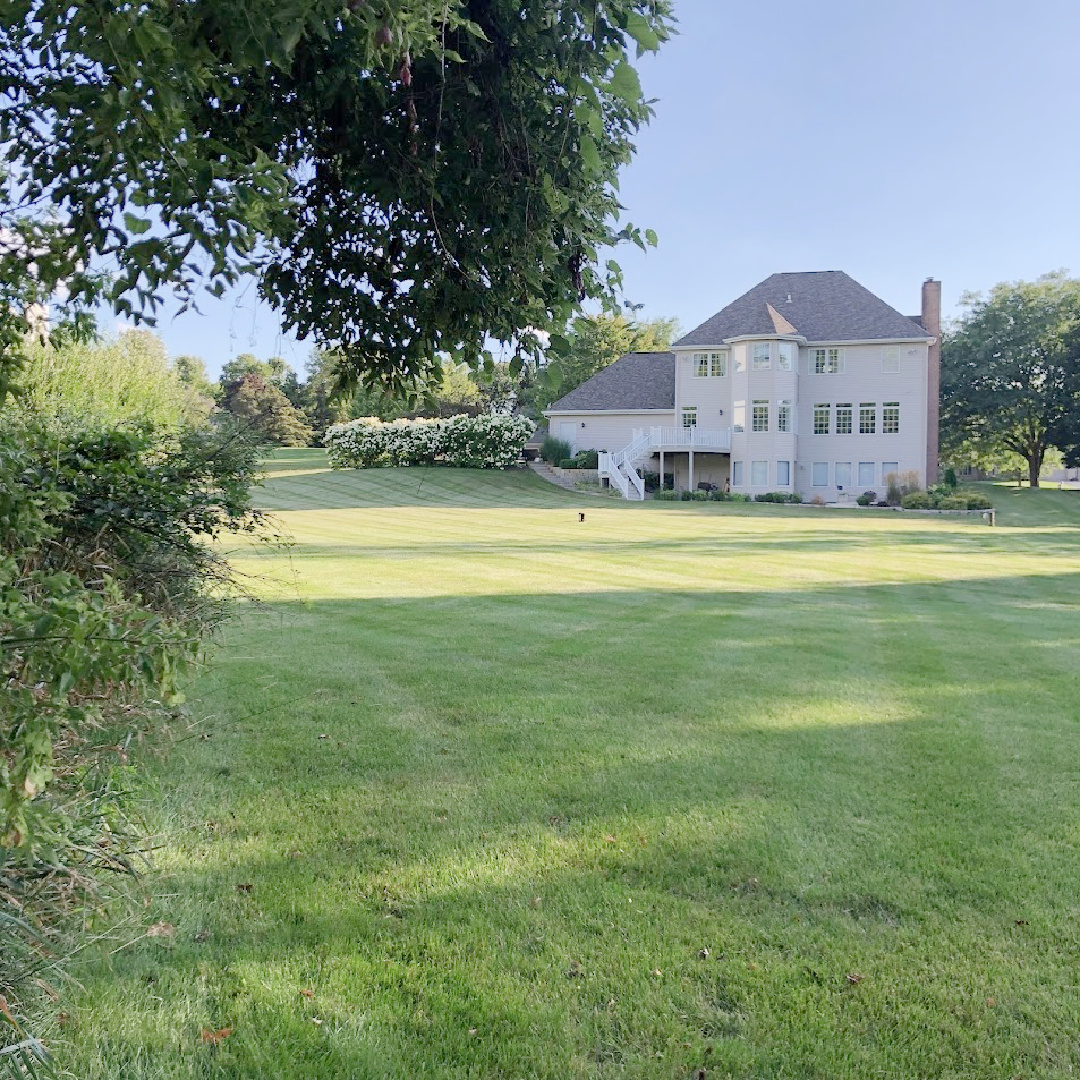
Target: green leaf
(651,237)
(624,83)
(135,225)
(637,26)
(589,153)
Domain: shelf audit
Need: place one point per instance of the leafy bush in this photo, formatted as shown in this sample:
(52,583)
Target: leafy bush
(475,442)
(587,459)
(950,477)
(893,489)
(867,498)
(915,500)
(553,449)
(105,589)
(976,501)
(699,496)
(778,497)
(568,463)
(951,502)
(667,495)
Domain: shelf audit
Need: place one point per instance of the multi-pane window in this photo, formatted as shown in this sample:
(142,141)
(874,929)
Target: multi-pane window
(890,418)
(785,357)
(783,473)
(710,364)
(689,416)
(866,474)
(843,418)
(783,416)
(890,359)
(828,361)
(736,474)
(821,418)
(761,356)
(738,417)
(867,417)
(759,474)
(842,474)
(819,474)
(759,416)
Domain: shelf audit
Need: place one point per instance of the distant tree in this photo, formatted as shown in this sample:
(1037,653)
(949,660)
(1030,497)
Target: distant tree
(262,406)
(274,370)
(191,371)
(592,343)
(1010,377)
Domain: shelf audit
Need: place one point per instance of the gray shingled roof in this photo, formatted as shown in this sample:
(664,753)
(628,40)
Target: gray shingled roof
(639,380)
(825,305)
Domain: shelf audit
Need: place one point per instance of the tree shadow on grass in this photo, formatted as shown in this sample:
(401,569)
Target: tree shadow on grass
(531,816)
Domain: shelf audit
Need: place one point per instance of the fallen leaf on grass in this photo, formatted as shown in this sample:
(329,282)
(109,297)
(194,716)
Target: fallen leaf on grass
(472,1031)
(161,929)
(703,954)
(657,972)
(990,1002)
(854,978)
(202,935)
(308,993)
(1021,922)
(6,1011)
(316,1021)
(215,1037)
(243,888)
(324,736)
(609,839)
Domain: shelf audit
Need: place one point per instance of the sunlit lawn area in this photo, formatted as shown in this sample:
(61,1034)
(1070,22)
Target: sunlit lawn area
(492,792)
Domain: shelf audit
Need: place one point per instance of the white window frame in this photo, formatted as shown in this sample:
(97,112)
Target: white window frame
(736,474)
(865,484)
(845,412)
(822,408)
(819,468)
(827,361)
(701,361)
(890,415)
(689,416)
(783,474)
(756,468)
(738,416)
(842,474)
(786,363)
(783,415)
(868,418)
(718,364)
(890,359)
(755,405)
(761,361)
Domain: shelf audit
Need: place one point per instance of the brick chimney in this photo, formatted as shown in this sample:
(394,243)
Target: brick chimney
(931,321)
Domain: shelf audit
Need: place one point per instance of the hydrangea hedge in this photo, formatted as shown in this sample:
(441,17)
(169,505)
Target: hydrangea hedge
(471,442)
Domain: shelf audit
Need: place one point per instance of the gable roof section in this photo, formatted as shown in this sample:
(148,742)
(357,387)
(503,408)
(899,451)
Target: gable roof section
(824,305)
(635,381)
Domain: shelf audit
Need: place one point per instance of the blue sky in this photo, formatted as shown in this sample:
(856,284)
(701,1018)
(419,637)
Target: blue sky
(892,139)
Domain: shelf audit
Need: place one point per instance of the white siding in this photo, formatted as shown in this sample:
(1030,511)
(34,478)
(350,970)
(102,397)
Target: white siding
(607,431)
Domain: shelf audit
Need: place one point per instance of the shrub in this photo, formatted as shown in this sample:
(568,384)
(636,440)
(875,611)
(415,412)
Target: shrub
(893,489)
(699,496)
(977,502)
(587,459)
(867,498)
(817,500)
(553,449)
(915,500)
(737,496)
(568,463)
(476,442)
(667,496)
(881,502)
(779,497)
(952,502)
(909,481)
(950,477)
(718,495)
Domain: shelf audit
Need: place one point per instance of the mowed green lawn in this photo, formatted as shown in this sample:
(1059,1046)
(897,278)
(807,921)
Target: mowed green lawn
(490,792)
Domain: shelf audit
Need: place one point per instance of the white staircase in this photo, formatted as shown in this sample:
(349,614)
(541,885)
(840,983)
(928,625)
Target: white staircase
(621,468)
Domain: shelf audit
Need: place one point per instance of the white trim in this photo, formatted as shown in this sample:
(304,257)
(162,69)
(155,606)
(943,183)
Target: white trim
(605,412)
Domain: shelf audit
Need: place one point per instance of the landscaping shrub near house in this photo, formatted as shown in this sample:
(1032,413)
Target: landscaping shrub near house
(915,500)
(586,459)
(778,497)
(470,442)
(867,498)
(940,497)
(667,495)
(553,449)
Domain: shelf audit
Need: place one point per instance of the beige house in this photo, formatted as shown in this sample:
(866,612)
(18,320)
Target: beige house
(808,383)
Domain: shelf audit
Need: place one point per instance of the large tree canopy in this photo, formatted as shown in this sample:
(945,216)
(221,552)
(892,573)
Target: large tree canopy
(1011,373)
(408,178)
